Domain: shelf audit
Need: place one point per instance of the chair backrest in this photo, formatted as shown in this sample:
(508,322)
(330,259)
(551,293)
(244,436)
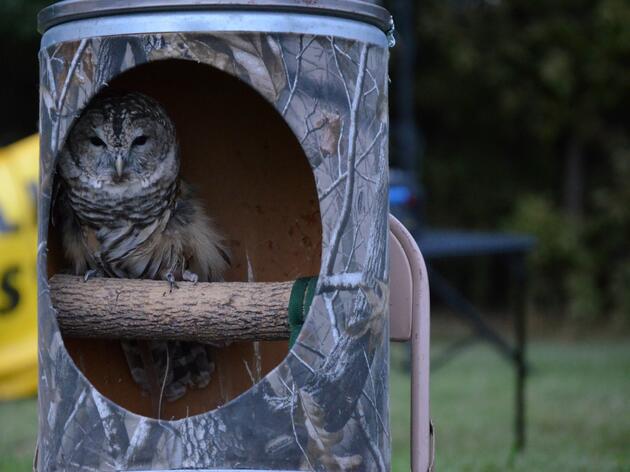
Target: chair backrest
(409,321)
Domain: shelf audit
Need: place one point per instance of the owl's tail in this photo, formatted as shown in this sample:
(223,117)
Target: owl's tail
(166,369)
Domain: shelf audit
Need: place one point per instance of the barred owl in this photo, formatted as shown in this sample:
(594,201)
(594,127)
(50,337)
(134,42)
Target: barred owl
(126,213)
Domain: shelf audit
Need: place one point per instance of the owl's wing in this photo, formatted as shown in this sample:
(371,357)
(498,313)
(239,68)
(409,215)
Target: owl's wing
(71,234)
(205,251)
(57,191)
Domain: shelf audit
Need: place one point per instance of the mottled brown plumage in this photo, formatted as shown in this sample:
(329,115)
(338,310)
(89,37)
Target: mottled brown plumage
(125,213)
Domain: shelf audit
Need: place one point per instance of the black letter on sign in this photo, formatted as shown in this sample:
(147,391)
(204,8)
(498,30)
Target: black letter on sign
(7,286)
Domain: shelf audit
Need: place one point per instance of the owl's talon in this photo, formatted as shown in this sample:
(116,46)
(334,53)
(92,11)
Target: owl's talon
(189,276)
(170,278)
(91,273)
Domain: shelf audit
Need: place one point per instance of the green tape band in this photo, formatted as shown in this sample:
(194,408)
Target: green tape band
(300,301)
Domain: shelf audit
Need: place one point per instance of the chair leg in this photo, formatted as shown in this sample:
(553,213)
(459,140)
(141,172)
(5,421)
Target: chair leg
(519,282)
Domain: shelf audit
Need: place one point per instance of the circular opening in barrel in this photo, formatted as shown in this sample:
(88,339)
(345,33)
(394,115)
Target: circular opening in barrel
(254,180)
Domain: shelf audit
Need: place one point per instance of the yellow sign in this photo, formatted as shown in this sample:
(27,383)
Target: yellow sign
(18,273)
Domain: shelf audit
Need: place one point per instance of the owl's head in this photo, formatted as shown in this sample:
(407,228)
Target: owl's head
(121,139)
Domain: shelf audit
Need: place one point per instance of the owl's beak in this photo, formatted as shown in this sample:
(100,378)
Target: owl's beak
(119,166)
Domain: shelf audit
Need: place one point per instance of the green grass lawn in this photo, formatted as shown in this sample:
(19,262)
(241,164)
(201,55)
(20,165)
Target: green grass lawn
(18,430)
(578,416)
(578,412)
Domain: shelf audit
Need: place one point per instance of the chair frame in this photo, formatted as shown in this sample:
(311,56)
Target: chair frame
(410,321)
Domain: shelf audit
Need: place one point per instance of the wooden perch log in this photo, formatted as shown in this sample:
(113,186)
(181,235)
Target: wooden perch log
(145,309)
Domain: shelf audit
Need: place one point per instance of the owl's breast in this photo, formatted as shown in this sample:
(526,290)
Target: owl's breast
(124,232)
(112,208)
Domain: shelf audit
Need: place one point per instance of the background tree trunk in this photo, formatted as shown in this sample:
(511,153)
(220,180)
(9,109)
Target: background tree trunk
(574,179)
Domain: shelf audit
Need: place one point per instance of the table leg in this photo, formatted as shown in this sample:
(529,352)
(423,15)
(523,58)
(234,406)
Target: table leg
(520,325)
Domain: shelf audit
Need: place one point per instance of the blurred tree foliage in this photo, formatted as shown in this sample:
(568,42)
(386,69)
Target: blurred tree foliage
(524,106)
(19,43)
(18,18)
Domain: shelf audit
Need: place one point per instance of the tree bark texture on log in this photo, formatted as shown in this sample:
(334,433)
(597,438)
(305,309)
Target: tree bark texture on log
(147,309)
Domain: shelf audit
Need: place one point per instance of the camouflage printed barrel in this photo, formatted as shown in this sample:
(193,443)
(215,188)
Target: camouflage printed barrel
(318,71)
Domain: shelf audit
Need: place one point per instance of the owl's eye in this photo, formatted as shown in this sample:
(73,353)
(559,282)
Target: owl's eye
(96,141)
(139,141)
